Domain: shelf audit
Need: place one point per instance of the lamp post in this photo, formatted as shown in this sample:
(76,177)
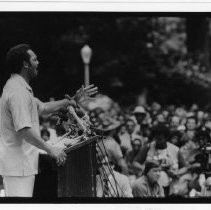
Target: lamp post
(86,54)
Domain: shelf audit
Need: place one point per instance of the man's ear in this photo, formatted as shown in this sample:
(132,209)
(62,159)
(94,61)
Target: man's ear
(25,64)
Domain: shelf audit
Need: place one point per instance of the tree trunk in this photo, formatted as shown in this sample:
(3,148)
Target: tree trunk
(198,37)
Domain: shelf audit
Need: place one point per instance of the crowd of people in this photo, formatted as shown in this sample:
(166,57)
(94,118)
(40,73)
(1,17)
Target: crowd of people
(155,151)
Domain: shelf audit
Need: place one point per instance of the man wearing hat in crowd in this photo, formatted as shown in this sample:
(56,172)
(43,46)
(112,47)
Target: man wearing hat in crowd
(140,114)
(108,146)
(147,185)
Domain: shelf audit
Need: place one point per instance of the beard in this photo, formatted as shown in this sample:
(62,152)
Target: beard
(33,72)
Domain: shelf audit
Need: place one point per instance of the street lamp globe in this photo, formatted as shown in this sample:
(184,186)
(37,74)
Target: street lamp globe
(86,54)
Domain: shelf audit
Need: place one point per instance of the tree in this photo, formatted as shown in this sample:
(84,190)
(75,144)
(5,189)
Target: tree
(198,38)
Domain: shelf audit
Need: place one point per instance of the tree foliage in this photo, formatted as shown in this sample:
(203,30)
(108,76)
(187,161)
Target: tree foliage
(130,52)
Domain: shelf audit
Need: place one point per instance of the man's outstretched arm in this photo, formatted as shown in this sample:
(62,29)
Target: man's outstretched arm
(54,106)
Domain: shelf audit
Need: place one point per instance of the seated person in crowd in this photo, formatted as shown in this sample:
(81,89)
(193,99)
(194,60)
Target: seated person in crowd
(130,155)
(174,123)
(44,123)
(200,118)
(165,153)
(192,161)
(155,108)
(190,149)
(207,125)
(110,147)
(139,160)
(175,137)
(159,119)
(45,134)
(111,183)
(191,126)
(166,114)
(126,137)
(48,123)
(147,185)
(140,115)
(52,129)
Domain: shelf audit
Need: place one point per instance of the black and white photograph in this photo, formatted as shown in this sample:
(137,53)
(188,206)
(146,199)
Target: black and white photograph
(105,106)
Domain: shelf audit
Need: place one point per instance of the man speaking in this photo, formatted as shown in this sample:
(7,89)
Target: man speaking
(20,134)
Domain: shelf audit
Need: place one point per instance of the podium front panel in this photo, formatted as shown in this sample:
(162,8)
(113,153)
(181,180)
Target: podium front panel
(77,178)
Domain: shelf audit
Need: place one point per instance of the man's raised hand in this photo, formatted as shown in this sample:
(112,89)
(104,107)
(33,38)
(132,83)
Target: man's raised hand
(85,93)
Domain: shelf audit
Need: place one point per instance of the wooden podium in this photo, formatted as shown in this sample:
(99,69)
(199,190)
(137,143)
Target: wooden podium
(77,178)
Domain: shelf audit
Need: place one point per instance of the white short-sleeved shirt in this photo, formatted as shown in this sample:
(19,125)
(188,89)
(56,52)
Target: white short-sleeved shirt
(19,109)
(118,187)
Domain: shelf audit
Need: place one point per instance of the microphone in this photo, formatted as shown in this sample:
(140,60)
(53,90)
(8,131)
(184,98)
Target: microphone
(79,121)
(80,113)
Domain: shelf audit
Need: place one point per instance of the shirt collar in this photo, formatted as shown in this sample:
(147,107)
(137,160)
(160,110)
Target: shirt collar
(21,81)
